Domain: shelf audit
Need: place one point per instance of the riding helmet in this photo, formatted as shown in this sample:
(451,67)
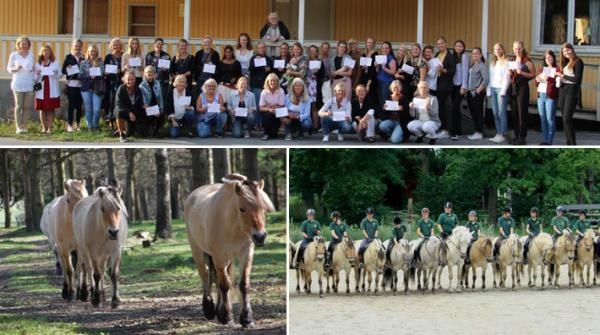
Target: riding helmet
(370,210)
(534,210)
(448,204)
(335,214)
(507,209)
(310,211)
(397,220)
(473,213)
(583,211)
(560,209)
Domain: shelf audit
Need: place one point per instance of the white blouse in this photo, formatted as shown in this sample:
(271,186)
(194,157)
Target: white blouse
(22,79)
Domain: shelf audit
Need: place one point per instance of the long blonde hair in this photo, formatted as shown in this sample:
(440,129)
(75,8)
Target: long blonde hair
(269,77)
(88,53)
(130,49)
(293,97)
(495,58)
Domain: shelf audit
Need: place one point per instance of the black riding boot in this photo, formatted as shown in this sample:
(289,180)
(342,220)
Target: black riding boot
(526,250)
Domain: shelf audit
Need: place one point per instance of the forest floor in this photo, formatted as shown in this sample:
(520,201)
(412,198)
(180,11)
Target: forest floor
(160,289)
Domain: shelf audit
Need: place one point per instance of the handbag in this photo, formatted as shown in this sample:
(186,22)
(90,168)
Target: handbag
(37,86)
(99,86)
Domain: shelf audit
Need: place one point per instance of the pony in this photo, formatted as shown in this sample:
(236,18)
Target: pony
(292,254)
(60,227)
(225,221)
(563,252)
(481,254)
(343,257)
(585,256)
(45,227)
(374,261)
(433,253)
(100,230)
(511,254)
(400,259)
(539,247)
(314,259)
(457,250)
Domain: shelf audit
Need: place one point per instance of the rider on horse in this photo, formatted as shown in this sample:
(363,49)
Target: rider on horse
(338,230)
(397,234)
(475,229)
(533,229)
(447,221)
(506,225)
(579,227)
(424,230)
(370,229)
(309,228)
(559,223)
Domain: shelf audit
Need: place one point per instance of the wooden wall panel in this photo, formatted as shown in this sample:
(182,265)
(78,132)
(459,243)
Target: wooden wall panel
(33,17)
(510,20)
(169,23)
(225,19)
(458,19)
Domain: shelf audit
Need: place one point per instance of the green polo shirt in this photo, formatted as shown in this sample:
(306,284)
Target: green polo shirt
(474,228)
(370,226)
(398,232)
(535,226)
(506,224)
(338,228)
(580,226)
(310,228)
(425,226)
(560,222)
(448,222)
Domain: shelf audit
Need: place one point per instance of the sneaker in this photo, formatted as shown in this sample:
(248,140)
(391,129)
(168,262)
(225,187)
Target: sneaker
(69,129)
(475,136)
(340,137)
(432,141)
(288,137)
(371,139)
(325,138)
(419,139)
(498,139)
(123,139)
(247,134)
(454,137)
(443,134)
(265,137)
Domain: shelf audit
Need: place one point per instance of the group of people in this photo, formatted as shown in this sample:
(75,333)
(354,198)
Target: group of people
(411,92)
(445,224)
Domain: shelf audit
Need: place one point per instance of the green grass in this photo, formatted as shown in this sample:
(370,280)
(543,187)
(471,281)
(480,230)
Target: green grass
(18,325)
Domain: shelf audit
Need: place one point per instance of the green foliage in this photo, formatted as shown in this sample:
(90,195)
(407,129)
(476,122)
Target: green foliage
(60,134)
(15,324)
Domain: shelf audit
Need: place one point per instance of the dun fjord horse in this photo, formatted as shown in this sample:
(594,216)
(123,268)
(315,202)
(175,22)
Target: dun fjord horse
(61,229)
(481,253)
(457,250)
(511,254)
(563,252)
(343,258)
(585,256)
(433,253)
(400,260)
(45,227)
(374,261)
(225,221)
(100,228)
(314,259)
(539,247)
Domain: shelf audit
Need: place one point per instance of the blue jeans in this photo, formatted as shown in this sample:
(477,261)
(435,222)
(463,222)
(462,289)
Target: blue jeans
(383,88)
(186,121)
(392,129)
(328,125)
(92,104)
(238,125)
(499,104)
(257,114)
(547,109)
(206,121)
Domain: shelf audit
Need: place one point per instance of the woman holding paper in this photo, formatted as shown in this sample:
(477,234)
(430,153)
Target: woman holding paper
(152,121)
(91,75)
(206,62)
(340,69)
(298,105)
(47,99)
(395,115)
(424,108)
(405,70)
(20,64)
(244,52)
(179,106)
(314,74)
(547,96)
(112,70)
(161,62)
(363,115)
(228,70)
(369,72)
(386,68)
(336,113)
(479,78)
(260,67)
(297,66)
(432,69)
(499,84)
(420,69)
(272,99)
(210,111)
(571,77)
(129,106)
(459,90)
(519,104)
(183,62)
(71,68)
(280,63)
(134,60)
(242,106)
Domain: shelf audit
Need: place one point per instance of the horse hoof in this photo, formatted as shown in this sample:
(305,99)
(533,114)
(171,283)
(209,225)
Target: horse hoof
(208,308)
(225,318)
(246,319)
(115,303)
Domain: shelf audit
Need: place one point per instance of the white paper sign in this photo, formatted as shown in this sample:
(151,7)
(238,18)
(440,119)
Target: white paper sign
(391,105)
(339,116)
(209,68)
(260,62)
(550,71)
(514,65)
(381,59)
(349,62)
(281,112)
(213,108)
(152,110)
(435,62)
(542,87)
(136,61)
(183,102)
(180,109)
(241,112)
(164,63)
(47,71)
(366,61)
(95,72)
(419,103)
(73,69)
(408,69)
(314,64)
(279,64)
(110,68)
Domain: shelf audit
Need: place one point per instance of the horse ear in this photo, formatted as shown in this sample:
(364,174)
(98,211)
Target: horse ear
(261,184)
(101,192)
(237,188)
(66,185)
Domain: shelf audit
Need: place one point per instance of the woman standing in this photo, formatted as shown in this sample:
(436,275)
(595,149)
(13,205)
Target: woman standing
(385,72)
(571,77)
(72,64)
(271,98)
(92,73)
(243,52)
(210,111)
(341,73)
(404,77)
(47,99)
(260,67)
(479,78)
(520,99)
(182,63)
(241,100)
(20,64)
(369,73)
(229,70)
(297,66)
(499,84)
(298,105)
(460,81)
(312,83)
(420,72)
(134,60)
(113,80)
(205,56)
(129,106)
(547,96)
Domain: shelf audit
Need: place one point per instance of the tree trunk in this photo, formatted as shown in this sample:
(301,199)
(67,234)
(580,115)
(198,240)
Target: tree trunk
(5,186)
(274,191)
(70,167)
(174,199)
(200,167)
(89,184)
(163,194)
(110,165)
(53,190)
(32,192)
(128,193)
(137,207)
(220,163)
(250,163)
(144,203)
(60,172)
(492,204)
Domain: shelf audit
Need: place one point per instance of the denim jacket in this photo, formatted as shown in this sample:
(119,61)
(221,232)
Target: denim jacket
(147,95)
(233,100)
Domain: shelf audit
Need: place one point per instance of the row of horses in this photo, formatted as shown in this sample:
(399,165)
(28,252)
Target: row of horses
(224,221)
(544,258)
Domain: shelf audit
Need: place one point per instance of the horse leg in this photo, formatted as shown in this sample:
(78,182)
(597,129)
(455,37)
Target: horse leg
(556,275)
(369,281)
(377,279)
(432,273)
(307,281)
(320,274)
(298,280)
(587,274)
(347,275)
(246,315)
(419,288)
(97,276)
(114,278)
(514,274)
(439,277)
(65,262)
(483,271)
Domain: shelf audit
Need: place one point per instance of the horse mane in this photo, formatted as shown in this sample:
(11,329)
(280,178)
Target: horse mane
(254,196)
(233,177)
(111,199)
(76,188)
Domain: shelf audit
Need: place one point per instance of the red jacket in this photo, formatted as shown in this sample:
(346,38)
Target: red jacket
(552,90)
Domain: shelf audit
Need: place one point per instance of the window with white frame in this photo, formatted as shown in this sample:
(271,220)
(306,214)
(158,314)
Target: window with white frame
(574,21)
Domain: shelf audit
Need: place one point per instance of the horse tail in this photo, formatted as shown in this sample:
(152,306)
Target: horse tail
(551,270)
(597,268)
(497,265)
(212,271)
(411,274)
(388,275)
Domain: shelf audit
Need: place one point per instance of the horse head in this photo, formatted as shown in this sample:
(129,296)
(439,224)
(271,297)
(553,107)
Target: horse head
(566,242)
(111,206)
(380,262)
(74,191)
(320,248)
(517,249)
(252,203)
(588,239)
(464,238)
(487,249)
(349,249)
